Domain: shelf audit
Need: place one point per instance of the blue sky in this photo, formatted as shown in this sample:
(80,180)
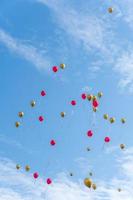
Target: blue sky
(97,49)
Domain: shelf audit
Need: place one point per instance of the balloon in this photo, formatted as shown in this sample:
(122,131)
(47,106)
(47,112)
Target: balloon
(71,174)
(35,175)
(83,96)
(90,173)
(27,168)
(20,114)
(107,139)
(62,114)
(94,109)
(89,97)
(33,103)
(41,118)
(119,189)
(95,103)
(123,120)
(94,98)
(43,93)
(112,120)
(52,142)
(49,181)
(18,166)
(88,149)
(17,124)
(105,116)
(89,133)
(110,10)
(73,102)
(55,69)
(122,146)
(100,94)
(62,66)
(94,186)
(87,182)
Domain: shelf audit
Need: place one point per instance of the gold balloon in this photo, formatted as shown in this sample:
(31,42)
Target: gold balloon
(122,146)
(110,10)
(123,120)
(94,186)
(27,168)
(100,94)
(71,174)
(94,98)
(89,97)
(90,173)
(21,114)
(18,166)
(88,149)
(62,66)
(88,182)
(112,120)
(62,114)
(105,116)
(94,109)
(119,189)
(17,124)
(33,103)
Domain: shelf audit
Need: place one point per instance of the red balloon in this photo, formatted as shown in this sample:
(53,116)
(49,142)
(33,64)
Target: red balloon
(107,139)
(41,118)
(83,96)
(52,142)
(95,103)
(90,133)
(55,69)
(73,102)
(43,93)
(35,175)
(49,181)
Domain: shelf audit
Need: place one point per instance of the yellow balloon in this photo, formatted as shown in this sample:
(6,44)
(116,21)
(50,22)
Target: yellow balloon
(110,10)
(94,97)
(17,124)
(88,182)
(27,168)
(18,166)
(21,114)
(100,94)
(122,146)
(112,120)
(62,66)
(89,97)
(62,114)
(123,120)
(33,103)
(105,116)
(94,186)
(90,173)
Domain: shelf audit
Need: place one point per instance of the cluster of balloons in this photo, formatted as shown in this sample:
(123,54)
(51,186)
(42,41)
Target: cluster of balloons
(88,183)
(35,174)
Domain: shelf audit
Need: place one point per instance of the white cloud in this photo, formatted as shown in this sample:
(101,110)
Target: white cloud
(28,52)
(124,66)
(17,185)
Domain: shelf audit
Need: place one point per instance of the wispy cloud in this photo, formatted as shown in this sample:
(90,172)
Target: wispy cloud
(28,52)
(17,185)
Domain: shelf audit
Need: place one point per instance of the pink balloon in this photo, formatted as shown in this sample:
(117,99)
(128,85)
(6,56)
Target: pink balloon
(41,118)
(95,103)
(90,133)
(55,69)
(52,142)
(43,93)
(83,96)
(107,139)
(49,181)
(73,102)
(35,175)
